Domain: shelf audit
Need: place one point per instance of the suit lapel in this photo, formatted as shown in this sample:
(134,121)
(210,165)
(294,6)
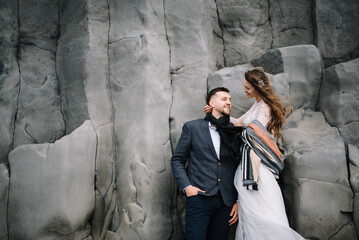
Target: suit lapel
(207,137)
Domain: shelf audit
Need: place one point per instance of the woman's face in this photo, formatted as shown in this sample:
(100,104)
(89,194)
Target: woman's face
(249,89)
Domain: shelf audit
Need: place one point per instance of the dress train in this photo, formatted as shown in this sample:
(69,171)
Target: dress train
(262,213)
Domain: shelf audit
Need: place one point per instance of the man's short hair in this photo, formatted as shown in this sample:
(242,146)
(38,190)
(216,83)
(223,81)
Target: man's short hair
(214,91)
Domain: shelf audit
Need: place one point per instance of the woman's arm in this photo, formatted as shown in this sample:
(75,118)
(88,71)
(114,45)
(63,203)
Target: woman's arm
(236,121)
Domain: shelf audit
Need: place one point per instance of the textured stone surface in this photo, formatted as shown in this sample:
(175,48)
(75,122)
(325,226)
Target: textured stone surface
(316,188)
(39,118)
(356,214)
(350,133)
(246,29)
(190,47)
(347,233)
(302,66)
(354,181)
(71,60)
(217,47)
(9,90)
(96,58)
(4,195)
(38,21)
(302,70)
(144,174)
(9,26)
(9,74)
(190,61)
(354,167)
(271,61)
(337,31)
(339,92)
(105,181)
(141,94)
(291,22)
(86,94)
(52,185)
(137,18)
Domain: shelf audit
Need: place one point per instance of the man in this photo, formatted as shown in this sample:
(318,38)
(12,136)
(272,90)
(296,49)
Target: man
(208,181)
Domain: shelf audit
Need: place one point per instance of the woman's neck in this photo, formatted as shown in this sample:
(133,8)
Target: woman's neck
(258,99)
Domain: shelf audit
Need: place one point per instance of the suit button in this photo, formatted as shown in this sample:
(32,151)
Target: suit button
(219,164)
(219,179)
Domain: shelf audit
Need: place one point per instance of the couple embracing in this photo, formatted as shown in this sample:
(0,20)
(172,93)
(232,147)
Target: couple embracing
(232,167)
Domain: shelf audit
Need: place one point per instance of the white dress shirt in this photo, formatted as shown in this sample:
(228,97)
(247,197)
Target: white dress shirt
(216,139)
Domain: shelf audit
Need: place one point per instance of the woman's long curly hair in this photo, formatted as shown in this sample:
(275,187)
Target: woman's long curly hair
(260,82)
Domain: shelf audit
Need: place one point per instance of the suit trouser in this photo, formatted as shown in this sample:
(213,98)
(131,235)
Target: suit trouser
(207,218)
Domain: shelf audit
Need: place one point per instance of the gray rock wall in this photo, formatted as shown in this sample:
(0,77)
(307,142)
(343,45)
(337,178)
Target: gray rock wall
(339,99)
(336,30)
(83,66)
(9,74)
(4,195)
(246,29)
(315,181)
(139,59)
(71,58)
(292,22)
(217,32)
(39,118)
(138,70)
(354,179)
(52,187)
(9,91)
(296,67)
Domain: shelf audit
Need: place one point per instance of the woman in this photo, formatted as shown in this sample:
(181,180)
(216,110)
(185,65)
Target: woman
(261,208)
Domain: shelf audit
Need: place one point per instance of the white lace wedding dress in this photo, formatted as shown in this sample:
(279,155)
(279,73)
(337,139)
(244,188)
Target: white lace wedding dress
(261,213)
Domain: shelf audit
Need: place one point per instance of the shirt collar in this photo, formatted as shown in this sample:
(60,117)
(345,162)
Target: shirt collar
(210,126)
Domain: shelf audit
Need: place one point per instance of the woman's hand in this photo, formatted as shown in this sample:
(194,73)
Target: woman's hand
(207,109)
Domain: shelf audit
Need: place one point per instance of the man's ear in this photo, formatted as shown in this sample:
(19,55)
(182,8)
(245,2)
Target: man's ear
(211,103)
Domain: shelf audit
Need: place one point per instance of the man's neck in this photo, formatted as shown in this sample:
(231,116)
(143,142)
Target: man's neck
(217,114)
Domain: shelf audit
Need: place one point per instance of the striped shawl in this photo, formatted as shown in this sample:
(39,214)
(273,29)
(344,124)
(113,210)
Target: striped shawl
(259,146)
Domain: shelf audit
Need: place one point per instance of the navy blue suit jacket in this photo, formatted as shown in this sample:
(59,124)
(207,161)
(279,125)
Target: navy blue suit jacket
(204,170)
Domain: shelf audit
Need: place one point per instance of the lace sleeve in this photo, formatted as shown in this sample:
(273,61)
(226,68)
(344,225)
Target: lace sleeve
(237,120)
(264,115)
(233,120)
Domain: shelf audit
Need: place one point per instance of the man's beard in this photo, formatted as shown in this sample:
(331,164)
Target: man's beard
(224,113)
